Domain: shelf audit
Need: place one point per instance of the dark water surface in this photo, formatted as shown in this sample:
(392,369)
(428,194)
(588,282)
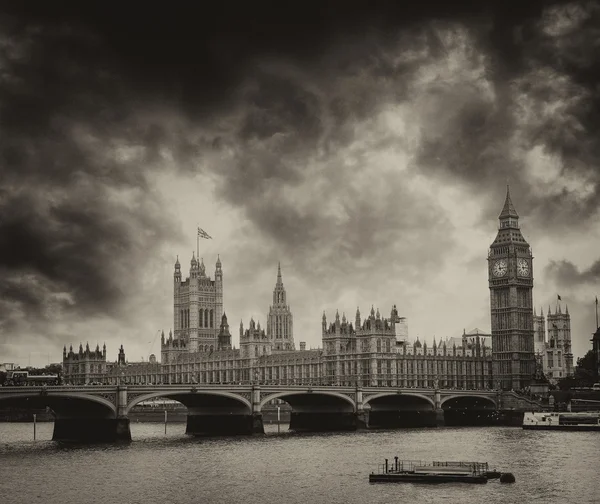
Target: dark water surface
(550,467)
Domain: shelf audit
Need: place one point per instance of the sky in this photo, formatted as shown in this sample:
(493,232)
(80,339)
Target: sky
(365,146)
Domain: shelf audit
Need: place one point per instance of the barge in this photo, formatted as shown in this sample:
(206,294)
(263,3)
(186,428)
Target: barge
(583,421)
(410,471)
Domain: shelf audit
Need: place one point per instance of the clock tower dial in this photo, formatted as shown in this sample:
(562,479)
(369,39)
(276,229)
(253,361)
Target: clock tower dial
(522,267)
(511,288)
(499,268)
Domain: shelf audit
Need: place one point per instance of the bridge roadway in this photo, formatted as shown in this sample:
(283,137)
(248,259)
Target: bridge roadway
(101,413)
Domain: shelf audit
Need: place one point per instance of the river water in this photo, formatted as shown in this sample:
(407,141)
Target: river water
(550,467)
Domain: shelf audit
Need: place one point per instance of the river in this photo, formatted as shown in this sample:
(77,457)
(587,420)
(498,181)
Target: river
(550,467)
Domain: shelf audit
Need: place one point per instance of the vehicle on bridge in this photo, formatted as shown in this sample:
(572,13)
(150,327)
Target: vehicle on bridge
(21,377)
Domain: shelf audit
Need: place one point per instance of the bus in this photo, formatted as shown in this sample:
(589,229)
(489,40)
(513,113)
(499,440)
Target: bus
(21,378)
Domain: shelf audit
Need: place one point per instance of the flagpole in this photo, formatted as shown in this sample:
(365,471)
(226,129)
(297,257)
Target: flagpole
(597,326)
(197,243)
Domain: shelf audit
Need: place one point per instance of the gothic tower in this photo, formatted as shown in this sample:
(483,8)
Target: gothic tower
(510,274)
(198,307)
(280,324)
(559,342)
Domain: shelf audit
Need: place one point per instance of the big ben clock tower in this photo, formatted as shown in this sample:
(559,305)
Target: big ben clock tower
(511,284)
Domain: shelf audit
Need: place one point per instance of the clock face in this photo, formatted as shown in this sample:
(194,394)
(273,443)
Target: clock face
(523,267)
(499,269)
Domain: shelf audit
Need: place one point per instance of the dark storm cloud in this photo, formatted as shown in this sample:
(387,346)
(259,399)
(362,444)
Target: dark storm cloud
(568,275)
(93,97)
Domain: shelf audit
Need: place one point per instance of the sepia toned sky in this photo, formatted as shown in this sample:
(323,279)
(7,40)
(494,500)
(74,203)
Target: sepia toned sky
(366,146)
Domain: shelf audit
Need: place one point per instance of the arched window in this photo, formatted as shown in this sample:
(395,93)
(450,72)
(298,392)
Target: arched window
(378,345)
(255,351)
(211,348)
(211,319)
(387,345)
(265,350)
(199,318)
(206,318)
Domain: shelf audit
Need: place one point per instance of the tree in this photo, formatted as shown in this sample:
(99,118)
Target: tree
(584,375)
(2,377)
(585,372)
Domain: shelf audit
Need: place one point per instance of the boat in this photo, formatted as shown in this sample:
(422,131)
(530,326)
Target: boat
(581,421)
(411,471)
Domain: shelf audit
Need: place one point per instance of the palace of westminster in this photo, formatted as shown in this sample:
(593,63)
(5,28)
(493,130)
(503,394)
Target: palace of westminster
(371,351)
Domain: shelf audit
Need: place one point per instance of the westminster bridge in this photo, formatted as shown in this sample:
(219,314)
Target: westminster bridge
(101,412)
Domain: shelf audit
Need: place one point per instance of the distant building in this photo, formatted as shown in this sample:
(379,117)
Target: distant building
(552,338)
(280,323)
(84,367)
(7,366)
(368,353)
(198,307)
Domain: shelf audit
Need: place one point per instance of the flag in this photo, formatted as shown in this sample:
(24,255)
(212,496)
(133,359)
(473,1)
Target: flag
(203,234)
(559,298)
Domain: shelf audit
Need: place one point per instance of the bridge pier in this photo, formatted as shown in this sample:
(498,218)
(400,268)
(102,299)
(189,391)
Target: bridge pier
(91,430)
(440,420)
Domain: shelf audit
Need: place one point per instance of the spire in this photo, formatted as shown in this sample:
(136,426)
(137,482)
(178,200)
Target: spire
(279,281)
(177,265)
(566,309)
(218,262)
(508,210)
(194,262)
(559,310)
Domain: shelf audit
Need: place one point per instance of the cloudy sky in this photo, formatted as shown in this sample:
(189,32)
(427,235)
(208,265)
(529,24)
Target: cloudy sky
(367,149)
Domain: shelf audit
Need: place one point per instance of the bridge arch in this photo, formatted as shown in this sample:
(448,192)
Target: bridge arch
(283,395)
(396,394)
(470,396)
(49,398)
(177,394)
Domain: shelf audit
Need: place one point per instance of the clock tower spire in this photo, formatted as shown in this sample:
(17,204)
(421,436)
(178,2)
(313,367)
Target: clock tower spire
(510,275)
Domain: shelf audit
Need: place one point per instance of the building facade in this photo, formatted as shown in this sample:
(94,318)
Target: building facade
(198,307)
(553,348)
(510,274)
(85,366)
(371,351)
(280,322)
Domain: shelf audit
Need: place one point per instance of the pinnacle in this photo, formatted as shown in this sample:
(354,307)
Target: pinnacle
(508,210)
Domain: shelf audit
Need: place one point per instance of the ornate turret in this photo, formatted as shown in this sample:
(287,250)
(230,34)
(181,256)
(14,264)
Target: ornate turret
(224,334)
(508,210)
(357,319)
(121,357)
